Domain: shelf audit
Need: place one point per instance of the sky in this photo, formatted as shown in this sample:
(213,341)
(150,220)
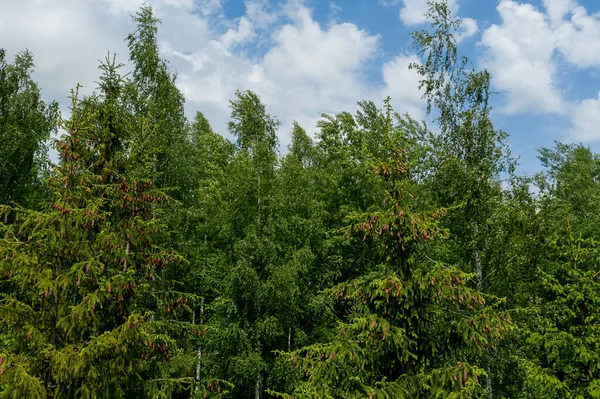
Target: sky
(308,57)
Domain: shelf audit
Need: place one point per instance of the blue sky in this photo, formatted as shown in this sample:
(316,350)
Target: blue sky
(307,57)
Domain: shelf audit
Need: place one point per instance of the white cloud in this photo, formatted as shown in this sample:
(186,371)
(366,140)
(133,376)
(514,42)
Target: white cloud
(520,58)
(305,52)
(310,70)
(557,9)
(586,120)
(523,57)
(305,68)
(578,35)
(67,39)
(468,28)
(258,12)
(571,29)
(243,33)
(402,85)
(131,6)
(207,7)
(123,6)
(413,11)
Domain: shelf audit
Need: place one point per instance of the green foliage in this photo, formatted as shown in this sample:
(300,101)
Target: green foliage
(564,351)
(162,146)
(560,320)
(407,323)
(466,160)
(86,303)
(162,260)
(26,123)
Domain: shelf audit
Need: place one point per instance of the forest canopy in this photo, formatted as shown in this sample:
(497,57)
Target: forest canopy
(381,258)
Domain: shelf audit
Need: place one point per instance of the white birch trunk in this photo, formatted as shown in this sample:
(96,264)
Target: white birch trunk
(479,271)
(258,376)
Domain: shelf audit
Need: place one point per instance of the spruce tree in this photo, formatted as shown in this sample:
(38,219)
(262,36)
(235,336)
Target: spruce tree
(559,315)
(563,351)
(413,325)
(88,308)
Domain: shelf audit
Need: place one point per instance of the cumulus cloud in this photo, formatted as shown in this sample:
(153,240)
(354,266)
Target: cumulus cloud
(520,57)
(311,70)
(468,28)
(67,39)
(557,9)
(402,85)
(413,13)
(530,49)
(303,51)
(258,11)
(241,34)
(206,7)
(576,32)
(586,120)
(304,68)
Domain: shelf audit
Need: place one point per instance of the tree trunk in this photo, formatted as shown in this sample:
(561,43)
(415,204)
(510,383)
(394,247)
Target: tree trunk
(199,352)
(488,381)
(258,205)
(126,255)
(258,376)
(199,364)
(479,271)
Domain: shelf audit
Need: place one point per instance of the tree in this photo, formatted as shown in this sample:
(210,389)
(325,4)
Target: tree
(346,186)
(237,251)
(570,180)
(411,325)
(152,94)
(26,123)
(200,235)
(469,154)
(297,274)
(559,310)
(87,303)
(562,345)
(256,134)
